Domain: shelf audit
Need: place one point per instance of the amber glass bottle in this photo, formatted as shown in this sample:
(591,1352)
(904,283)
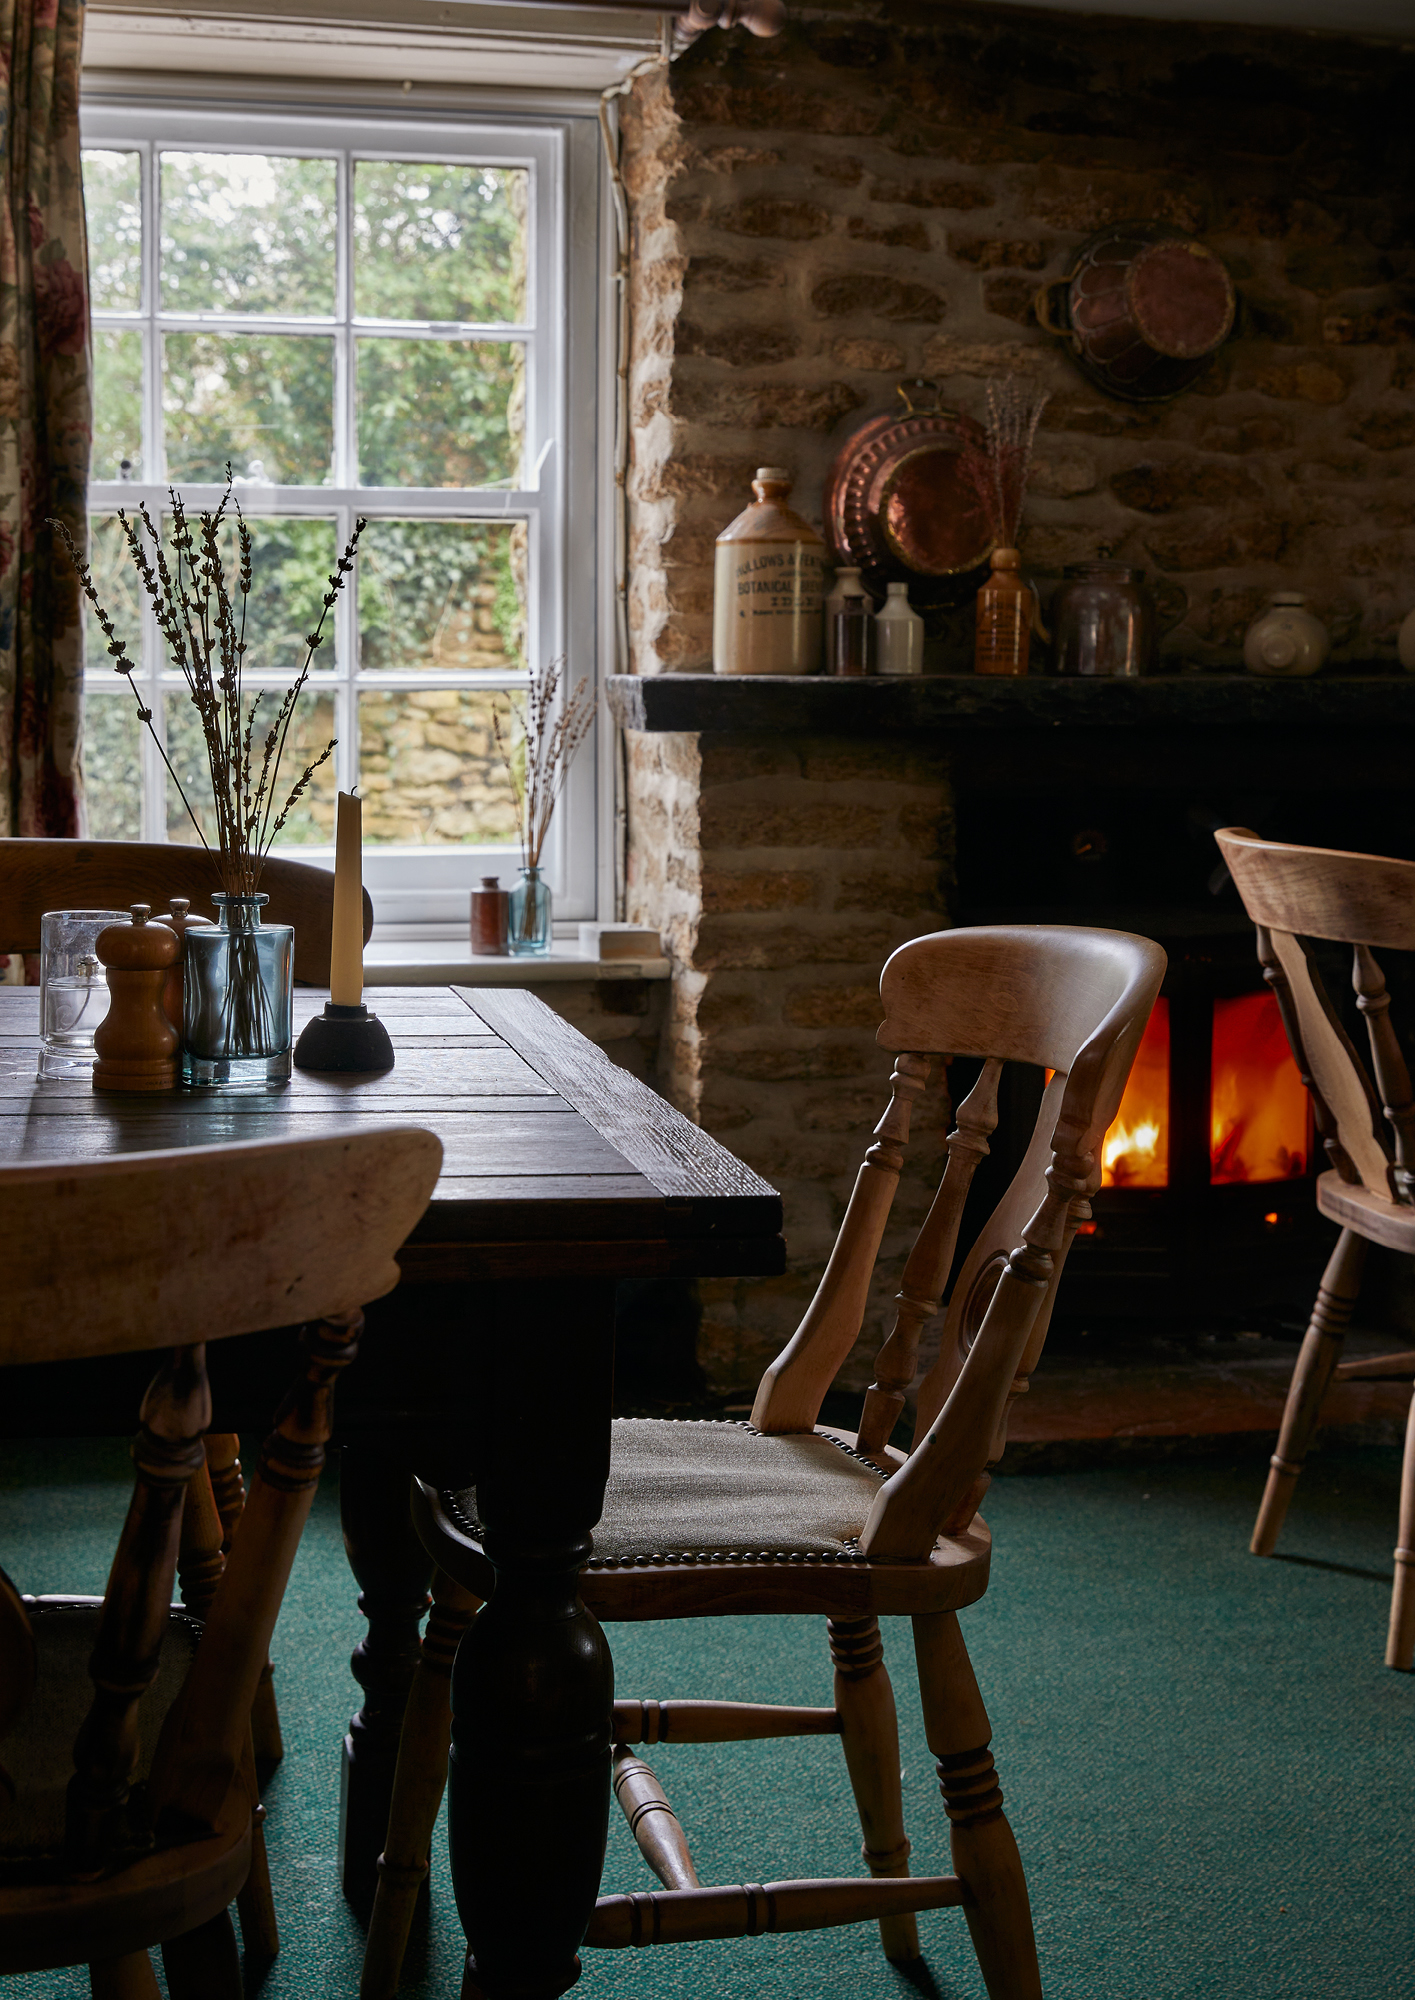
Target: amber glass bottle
(1004,634)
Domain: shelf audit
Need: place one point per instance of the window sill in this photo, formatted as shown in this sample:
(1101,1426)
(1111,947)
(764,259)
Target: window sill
(407,963)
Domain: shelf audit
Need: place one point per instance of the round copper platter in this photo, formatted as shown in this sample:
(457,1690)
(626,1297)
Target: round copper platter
(898,510)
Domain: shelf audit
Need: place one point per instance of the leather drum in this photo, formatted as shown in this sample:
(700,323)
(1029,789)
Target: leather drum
(898,509)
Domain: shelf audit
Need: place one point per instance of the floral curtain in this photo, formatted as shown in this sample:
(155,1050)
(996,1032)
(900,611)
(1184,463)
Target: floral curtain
(45,416)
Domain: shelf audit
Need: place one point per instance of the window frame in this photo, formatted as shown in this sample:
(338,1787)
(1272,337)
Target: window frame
(422,891)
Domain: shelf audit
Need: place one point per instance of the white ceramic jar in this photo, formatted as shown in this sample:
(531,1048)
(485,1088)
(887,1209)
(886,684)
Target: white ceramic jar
(1405,642)
(899,634)
(1286,640)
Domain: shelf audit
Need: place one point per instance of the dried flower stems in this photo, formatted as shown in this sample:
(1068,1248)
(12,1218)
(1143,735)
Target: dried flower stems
(550,742)
(997,468)
(204,630)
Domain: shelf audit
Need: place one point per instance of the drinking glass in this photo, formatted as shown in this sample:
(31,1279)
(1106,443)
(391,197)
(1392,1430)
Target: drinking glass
(73,987)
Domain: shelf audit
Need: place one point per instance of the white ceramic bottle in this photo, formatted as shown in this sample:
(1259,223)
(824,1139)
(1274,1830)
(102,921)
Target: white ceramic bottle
(1286,640)
(1405,642)
(768,580)
(899,634)
(847,584)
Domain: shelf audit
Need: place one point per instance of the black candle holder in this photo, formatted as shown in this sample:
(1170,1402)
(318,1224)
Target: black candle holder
(345,1040)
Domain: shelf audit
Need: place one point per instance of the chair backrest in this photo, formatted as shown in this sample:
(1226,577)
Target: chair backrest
(161,1248)
(40,875)
(1366,1119)
(1071,1001)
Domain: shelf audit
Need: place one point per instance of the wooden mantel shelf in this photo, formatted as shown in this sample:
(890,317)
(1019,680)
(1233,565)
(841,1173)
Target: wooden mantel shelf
(809,704)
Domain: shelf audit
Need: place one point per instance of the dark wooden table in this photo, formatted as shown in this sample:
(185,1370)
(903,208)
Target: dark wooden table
(492,1362)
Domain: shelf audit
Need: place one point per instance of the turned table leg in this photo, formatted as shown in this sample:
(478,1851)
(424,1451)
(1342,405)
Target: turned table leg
(533,1683)
(393,1571)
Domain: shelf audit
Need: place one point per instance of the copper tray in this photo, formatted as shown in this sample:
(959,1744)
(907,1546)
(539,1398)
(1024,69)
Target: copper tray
(897,509)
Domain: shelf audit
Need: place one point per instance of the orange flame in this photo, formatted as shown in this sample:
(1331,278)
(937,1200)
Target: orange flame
(1258,1114)
(1136,1148)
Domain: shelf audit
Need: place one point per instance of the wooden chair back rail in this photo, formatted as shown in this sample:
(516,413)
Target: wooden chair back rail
(1367,1128)
(1076,1001)
(95,1260)
(40,875)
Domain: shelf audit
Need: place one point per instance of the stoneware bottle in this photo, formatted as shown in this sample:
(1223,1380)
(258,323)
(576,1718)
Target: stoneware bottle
(1286,640)
(489,917)
(1004,631)
(769,579)
(899,634)
(847,584)
(135,1045)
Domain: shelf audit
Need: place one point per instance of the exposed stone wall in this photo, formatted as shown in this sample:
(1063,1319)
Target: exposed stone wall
(879,193)
(783,875)
(625,1017)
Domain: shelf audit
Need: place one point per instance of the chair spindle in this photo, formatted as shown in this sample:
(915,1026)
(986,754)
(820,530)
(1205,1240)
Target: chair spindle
(929,1263)
(1388,1062)
(652,1821)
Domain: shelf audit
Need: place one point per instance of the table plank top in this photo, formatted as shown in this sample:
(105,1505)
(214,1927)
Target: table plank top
(555,1160)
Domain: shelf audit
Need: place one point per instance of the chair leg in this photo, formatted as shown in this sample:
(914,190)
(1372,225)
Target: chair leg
(129,1978)
(418,1785)
(869,1732)
(985,1855)
(1311,1378)
(204,1964)
(1400,1641)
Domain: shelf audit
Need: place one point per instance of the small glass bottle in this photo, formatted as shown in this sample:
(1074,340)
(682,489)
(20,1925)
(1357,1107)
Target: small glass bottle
(528,916)
(1005,606)
(847,584)
(854,638)
(489,918)
(899,634)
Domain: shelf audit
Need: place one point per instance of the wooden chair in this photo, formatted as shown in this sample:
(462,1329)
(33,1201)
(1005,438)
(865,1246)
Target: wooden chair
(40,875)
(1366,1123)
(127,1814)
(784,1515)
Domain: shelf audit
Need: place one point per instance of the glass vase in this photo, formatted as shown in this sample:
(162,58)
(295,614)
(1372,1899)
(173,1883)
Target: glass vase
(238,1000)
(528,918)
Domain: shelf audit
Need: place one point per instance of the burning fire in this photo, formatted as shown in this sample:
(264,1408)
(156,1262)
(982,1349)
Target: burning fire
(1257,1106)
(1136,1149)
(1258,1113)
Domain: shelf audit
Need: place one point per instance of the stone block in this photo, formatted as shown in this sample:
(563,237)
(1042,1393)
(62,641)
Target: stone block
(889,760)
(1184,482)
(732,822)
(782,216)
(743,346)
(882,356)
(1081,413)
(732,274)
(946,356)
(1388,326)
(791,1061)
(739,943)
(1247,434)
(1061,475)
(725,760)
(759,889)
(833,1007)
(1386,430)
(878,293)
(766,405)
(702,99)
(1227,544)
(1302,382)
(912,234)
(897,892)
(1010,295)
(998,253)
(956,195)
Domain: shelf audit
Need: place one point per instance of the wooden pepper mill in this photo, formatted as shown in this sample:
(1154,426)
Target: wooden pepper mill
(135,1044)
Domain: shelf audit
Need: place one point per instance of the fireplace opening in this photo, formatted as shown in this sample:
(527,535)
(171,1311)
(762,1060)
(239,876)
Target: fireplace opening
(1259,1117)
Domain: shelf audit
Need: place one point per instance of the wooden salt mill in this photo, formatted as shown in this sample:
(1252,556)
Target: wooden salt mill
(178,919)
(135,1044)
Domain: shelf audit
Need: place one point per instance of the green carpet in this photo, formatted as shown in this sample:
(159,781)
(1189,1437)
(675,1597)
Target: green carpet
(1208,1769)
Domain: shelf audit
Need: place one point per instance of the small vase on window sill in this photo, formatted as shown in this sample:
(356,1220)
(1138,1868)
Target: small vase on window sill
(528,916)
(537,755)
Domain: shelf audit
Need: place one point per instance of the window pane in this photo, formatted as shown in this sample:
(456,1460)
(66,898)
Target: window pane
(113,205)
(440,412)
(117,402)
(429,768)
(291,563)
(443,595)
(311,819)
(265,402)
(439,242)
(112,771)
(119,592)
(247,232)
